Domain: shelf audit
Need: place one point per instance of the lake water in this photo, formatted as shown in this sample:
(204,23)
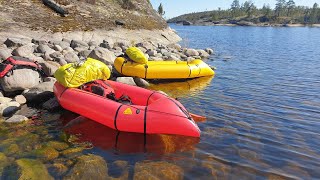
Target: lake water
(262,109)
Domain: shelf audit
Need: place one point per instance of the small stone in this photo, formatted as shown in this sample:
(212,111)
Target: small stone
(9,108)
(62,61)
(57,47)
(151,52)
(197,57)
(39,41)
(141,82)
(209,51)
(17,119)
(126,80)
(84,53)
(203,53)
(43,48)
(93,43)
(20,99)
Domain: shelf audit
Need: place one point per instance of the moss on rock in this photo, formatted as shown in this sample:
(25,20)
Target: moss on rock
(58,145)
(46,153)
(32,169)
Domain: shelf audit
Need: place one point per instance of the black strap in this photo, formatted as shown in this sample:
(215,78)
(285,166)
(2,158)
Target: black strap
(145,125)
(124,62)
(189,70)
(150,97)
(146,68)
(115,118)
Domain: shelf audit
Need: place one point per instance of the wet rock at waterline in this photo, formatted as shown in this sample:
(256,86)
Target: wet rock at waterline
(17,119)
(32,169)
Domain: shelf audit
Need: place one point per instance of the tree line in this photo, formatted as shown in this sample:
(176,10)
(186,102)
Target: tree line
(284,12)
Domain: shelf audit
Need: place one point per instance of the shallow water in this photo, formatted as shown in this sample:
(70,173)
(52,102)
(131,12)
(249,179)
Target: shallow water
(262,109)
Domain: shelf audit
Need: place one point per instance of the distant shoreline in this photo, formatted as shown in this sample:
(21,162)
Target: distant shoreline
(249,24)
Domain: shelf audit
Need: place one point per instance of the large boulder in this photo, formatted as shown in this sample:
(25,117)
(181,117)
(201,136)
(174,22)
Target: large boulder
(20,79)
(103,55)
(24,51)
(89,167)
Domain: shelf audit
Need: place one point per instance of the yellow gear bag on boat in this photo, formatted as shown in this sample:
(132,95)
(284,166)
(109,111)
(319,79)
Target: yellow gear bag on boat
(75,74)
(136,55)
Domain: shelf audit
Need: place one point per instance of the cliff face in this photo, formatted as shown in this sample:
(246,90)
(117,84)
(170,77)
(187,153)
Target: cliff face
(83,15)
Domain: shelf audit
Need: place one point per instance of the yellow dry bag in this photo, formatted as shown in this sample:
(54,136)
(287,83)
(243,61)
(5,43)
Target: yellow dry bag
(136,55)
(75,74)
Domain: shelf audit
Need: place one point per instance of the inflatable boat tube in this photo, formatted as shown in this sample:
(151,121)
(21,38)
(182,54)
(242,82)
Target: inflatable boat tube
(163,69)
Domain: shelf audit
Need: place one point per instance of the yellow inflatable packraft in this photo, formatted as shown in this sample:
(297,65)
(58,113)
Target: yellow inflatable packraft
(163,69)
(74,75)
(136,55)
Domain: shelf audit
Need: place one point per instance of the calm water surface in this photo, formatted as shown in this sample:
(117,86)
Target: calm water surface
(262,109)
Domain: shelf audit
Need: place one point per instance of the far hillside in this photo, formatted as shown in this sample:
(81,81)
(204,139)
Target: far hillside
(246,13)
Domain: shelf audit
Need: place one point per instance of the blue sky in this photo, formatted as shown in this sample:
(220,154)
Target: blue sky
(175,8)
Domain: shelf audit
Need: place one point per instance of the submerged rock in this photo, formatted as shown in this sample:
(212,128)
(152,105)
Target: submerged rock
(51,105)
(58,145)
(89,167)
(46,153)
(157,170)
(3,162)
(17,119)
(32,169)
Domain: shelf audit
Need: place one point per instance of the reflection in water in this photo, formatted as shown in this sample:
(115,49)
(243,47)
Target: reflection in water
(123,142)
(182,88)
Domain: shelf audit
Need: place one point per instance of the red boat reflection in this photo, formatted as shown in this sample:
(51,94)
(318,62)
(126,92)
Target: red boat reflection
(106,138)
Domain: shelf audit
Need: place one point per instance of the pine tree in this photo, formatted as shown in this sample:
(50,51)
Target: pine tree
(160,10)
(235,7)
(314,14)
(290,6)
(266,10)
(280,6)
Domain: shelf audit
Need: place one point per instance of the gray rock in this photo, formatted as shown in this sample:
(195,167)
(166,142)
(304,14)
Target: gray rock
(209,51)
(57,47)
(109,41)
(27,111)
(158,55)
(162,51)
(93,43)
(203,53)
(5,53)
(197,57)
(56,55)
(38,54)
(146,45)
(103,55)
(77,43)
(62,44)
(191,52)
(79,49)
(126,80)
(9,108)
(183,56)
(20,99)
(21,79)
(105,45)
(141,82)
(16,42)
(175,46)
(84,53)
(174,57)
(66,50)
(167,54)
(24,51)
(40,93)
(62,61)
(43,48)
(71,57)
(50,67)
(117,49)
(39,41)
(151,52)
(17,119)
(51,105)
